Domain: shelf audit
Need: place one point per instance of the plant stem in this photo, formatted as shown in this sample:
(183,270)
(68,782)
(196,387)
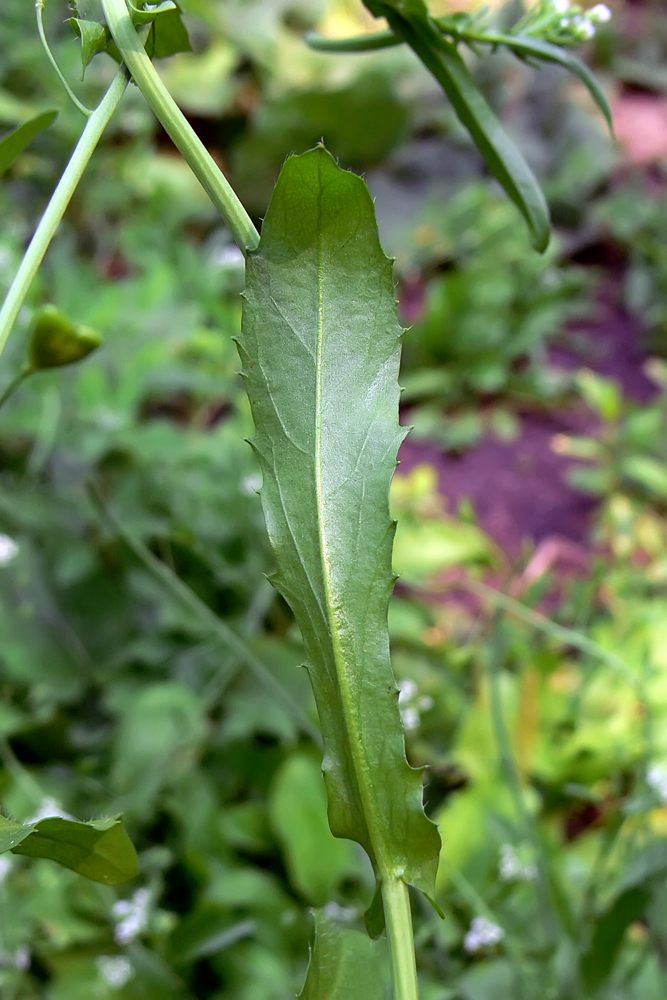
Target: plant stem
(398,918)
(177,127)
(14,384)
(512,776)
(217,626)
(39,10)
(48,224)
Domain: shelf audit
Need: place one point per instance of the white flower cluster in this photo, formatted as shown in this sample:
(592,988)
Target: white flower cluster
(411,706)
(656,778)
(115,970)
(131,916)
(580,25)
(483,933)
(8,549)
(512,867)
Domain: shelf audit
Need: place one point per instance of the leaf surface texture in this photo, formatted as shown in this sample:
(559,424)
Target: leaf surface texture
(320,348)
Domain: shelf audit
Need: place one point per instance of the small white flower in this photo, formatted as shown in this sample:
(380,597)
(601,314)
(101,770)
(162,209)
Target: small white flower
(6,866)
(251,484)
(8,549)
(599,14)
(345,914)
(585,29)
(49,808)
(411,718)
(513,868)
(22,958)
(656,778)
(407,689)
(228,256)
(561,6)
(131,916)
(483,933)
(407,692)
(115,970)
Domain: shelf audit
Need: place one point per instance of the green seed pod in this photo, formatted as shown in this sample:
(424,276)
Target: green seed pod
(57,341)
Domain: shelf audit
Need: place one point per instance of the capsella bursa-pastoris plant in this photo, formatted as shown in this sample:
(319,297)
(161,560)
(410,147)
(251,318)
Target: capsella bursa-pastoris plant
(320,349)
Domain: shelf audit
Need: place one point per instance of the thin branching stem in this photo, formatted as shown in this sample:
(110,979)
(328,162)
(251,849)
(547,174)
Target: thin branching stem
(216,625)
(39,11)
(177,126)
(57,206)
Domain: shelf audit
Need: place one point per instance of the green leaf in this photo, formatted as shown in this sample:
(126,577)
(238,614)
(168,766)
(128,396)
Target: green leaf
(100,850)
(548,52)
(598,960)
(95,37)
(11,834)
(344,964)
(298,810)
(90,10)
(168,33)
(13,144)
(320,349)
(411,21)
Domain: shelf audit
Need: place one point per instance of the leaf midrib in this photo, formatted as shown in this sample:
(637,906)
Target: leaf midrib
(354,738)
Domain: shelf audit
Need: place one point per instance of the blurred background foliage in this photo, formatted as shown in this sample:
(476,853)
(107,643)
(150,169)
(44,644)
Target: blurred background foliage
(532,661)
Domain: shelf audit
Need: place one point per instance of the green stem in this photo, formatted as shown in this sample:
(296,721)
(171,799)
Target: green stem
(562,634)
(60,199)
(398,918)
(512,776)
(39,10)
(14,384)
(217,626)
(177,127)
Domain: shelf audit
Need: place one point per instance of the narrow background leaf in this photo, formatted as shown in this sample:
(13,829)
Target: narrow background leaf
(411,22)
(13,144)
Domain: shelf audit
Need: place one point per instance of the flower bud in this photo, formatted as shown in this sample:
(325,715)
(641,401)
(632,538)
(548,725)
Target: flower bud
(57,341)
(599,14)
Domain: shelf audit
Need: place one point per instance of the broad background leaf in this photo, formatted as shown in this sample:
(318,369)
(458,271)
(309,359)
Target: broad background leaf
(344,964)
(320,351)
(101,850)
(13,144)
(298,809)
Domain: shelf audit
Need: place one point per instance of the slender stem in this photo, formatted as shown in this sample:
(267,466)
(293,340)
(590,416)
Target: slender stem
(512,776)
(178,128)
(39,10)
(60,199)
(398,918)
(568,636)
(14,384)
(217,626)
